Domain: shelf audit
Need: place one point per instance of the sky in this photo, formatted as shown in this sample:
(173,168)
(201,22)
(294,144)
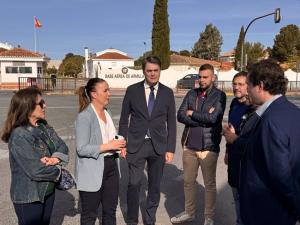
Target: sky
(71,25)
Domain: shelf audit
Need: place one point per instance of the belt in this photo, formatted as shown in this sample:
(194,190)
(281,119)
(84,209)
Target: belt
(113,156)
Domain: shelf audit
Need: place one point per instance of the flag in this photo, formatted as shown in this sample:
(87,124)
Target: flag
(37,23)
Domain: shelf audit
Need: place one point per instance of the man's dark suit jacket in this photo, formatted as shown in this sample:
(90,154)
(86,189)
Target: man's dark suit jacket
(270,179)
(161,123)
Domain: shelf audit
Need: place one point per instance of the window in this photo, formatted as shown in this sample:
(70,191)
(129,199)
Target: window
(39,70)
(11,69)
(25,69)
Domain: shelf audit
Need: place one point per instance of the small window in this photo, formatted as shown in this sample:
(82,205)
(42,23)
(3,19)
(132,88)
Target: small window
(39,70)
(11,69)
(25,69)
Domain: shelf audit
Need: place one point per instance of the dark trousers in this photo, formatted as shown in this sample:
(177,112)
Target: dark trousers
(136,164)
(35,213)
(107,196)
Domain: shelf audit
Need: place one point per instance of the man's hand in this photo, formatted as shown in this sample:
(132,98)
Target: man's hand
(211,110)
(229,133)
(189,112)
(169,157)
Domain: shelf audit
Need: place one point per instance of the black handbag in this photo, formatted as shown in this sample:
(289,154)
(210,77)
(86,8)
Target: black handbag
(66,180)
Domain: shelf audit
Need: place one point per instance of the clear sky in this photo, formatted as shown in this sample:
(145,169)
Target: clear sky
(71,25)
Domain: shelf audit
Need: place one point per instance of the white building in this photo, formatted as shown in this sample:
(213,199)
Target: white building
(19,62)
(108,59)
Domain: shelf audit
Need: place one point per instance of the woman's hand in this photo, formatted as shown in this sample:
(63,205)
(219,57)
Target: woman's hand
(113,145)
(50,161)
(123,152)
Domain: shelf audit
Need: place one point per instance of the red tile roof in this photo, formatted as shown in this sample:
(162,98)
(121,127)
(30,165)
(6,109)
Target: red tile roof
(228,54)
(192,61)
(112,55)
(20,52)
(3,49)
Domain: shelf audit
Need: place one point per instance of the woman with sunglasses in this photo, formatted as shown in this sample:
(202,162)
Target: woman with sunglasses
(96,173)
(36,154)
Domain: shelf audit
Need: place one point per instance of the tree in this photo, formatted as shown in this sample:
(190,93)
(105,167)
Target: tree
(51,70)
(140,60)
(161,33)
(185,53)
(287,44)
(254,51)
(209,44)
(71,65)
(238,50)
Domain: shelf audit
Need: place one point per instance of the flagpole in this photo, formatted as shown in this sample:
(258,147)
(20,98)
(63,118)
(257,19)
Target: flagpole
(34,31)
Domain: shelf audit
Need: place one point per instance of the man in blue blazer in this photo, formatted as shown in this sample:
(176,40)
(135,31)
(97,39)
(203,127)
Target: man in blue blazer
(150,135)
(270,176)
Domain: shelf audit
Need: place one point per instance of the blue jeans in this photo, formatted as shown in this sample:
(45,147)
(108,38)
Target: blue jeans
(35,213)
(236,198)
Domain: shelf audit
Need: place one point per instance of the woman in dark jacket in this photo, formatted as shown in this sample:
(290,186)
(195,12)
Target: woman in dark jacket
(36,154)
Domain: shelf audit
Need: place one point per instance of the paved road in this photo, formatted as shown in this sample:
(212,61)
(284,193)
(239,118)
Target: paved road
(61,113)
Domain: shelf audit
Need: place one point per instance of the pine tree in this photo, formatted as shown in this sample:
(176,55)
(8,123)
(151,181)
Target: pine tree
(161,33)
(254,51)
(238,50)
(287,44)
(209,44)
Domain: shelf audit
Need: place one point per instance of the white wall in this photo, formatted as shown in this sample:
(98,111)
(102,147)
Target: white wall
(106,64)
(117,79)
(12,77)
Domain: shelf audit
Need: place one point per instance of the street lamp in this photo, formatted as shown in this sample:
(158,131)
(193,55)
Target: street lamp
(277,19)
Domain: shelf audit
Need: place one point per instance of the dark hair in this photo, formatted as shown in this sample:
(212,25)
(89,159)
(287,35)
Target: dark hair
(270,73)
(151,59)
(207,66)
(21,106)
(240,74)
(85,92)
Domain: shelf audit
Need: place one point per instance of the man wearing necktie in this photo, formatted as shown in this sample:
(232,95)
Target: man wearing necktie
(150,135)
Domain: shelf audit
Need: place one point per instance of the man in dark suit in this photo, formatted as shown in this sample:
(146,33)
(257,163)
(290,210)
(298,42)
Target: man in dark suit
(270,175)
(150,135)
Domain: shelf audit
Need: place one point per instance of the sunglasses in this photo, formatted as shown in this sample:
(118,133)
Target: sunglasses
(42,103)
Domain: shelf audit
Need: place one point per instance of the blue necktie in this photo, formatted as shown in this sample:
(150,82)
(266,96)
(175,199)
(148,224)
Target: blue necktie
(150,105)
(151,100)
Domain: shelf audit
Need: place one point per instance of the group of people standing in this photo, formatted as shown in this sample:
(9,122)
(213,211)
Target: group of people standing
(262,154)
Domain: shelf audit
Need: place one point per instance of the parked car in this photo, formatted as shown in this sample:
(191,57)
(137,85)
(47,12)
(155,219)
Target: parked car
(188,81)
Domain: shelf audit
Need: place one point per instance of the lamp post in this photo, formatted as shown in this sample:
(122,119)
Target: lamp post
(145,45)
(277,18)
(297,71)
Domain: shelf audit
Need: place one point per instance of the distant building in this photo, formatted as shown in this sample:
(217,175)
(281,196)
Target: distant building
(228,56)
(186,62)
(19,62)
(54,63)
(108,59)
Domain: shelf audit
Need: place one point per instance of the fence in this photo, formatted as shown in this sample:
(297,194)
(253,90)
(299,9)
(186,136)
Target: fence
(71,84)
(52,85)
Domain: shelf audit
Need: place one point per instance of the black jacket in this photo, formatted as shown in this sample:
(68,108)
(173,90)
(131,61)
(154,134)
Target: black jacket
(161,123)
(237,150)
(211,123)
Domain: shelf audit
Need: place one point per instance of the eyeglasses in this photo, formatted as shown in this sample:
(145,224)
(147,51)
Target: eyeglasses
(42,103)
